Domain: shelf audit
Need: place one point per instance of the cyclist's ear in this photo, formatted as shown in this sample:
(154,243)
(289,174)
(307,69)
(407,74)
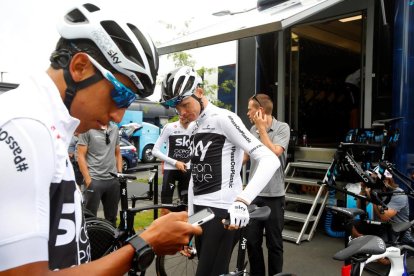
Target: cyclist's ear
(199,92)
(81,67)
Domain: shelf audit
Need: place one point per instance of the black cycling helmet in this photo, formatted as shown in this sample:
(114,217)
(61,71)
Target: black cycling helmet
(127,49)
(179,84)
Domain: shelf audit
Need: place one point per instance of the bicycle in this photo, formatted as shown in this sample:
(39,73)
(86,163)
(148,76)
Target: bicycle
(182,265)
(255,213)
(367,249)
(105,238)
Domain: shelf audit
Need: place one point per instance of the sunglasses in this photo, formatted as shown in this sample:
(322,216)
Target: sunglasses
(255,98)
(107,140)
(177,100)
(174,101)
(121,94)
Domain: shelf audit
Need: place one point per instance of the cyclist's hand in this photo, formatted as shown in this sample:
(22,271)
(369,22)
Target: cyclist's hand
(239,215)
(168,234)
(181,166)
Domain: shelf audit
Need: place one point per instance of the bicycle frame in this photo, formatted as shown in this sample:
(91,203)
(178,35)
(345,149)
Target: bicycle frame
(397,259)
(355,264)
(258,213)
(396,255)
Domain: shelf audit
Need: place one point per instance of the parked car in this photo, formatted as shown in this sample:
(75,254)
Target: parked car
(129,155)
(142,135)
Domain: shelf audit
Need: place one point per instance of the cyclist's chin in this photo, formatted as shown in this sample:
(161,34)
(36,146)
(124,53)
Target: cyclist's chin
(192,117)
(84,127)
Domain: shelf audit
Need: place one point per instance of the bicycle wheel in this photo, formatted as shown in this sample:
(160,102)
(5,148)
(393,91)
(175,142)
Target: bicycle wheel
(176,264)
(88,214)
(101,237)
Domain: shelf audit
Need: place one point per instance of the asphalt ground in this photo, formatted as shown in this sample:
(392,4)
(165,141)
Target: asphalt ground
(313,258)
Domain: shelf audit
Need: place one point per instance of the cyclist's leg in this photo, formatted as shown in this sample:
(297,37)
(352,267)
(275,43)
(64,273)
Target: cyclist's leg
(183,180)
(168,185)
(167,190)
(214,246)
(110,199)
(274,238)
(254,235)
(92,196)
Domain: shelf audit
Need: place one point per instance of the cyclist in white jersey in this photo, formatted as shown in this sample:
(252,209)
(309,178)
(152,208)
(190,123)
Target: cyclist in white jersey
(43,227)
(217,146)
(176,136)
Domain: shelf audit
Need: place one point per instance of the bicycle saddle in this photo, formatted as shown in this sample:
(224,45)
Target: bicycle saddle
(399,227)
(258,213)
(347,212)
(369,245)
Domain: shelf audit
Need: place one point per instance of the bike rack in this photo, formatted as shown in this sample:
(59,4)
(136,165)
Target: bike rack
(152,193)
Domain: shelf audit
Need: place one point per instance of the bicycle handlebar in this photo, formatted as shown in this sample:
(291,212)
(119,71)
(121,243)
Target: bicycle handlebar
(123,176)
(171,207)
(257,213)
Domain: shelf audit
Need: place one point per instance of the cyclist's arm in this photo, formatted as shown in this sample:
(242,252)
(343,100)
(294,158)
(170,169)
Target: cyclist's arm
(28,167)
(166,235)
(268,163)
(395,205)
(384,215)
(114,264)
(190,195)
(163,139)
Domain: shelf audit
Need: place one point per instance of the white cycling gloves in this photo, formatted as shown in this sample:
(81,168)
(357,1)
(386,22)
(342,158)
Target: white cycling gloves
(239,215)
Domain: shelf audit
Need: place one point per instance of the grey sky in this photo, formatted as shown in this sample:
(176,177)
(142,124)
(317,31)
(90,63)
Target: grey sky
(28,33)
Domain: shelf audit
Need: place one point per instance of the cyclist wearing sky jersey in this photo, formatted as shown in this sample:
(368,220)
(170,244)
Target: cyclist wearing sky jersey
(96,71)
(176,136)
(217,146)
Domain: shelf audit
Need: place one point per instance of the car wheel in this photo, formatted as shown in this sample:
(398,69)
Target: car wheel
(147,156)
(124,165)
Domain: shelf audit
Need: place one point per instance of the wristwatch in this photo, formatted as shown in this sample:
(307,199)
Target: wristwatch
(144,255)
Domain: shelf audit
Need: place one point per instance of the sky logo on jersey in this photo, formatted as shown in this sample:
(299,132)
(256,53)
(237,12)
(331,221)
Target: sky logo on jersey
(182,142)
(243,134)
(200,148)
(201,171)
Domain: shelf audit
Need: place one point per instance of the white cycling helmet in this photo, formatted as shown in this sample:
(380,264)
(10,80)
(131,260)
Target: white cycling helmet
(179,84)
(128,50)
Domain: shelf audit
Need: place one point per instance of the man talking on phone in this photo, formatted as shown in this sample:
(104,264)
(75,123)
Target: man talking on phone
(274,135)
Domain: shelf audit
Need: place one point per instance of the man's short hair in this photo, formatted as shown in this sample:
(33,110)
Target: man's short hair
(264,101)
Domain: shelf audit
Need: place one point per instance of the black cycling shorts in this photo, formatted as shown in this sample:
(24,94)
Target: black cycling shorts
(170,179)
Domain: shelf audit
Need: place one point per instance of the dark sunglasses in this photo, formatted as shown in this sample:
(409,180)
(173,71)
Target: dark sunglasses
(107,140)
(255,98)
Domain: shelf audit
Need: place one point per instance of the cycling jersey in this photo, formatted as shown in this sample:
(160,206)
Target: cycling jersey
(41,213)
(177,139)
(217,146)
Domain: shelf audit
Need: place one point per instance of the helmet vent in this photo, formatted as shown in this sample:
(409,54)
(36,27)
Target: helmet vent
(75,16)
(147,49)
(91,7)
(189,84)
(122,41)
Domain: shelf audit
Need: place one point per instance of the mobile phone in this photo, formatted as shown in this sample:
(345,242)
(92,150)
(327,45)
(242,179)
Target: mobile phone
(201,217)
